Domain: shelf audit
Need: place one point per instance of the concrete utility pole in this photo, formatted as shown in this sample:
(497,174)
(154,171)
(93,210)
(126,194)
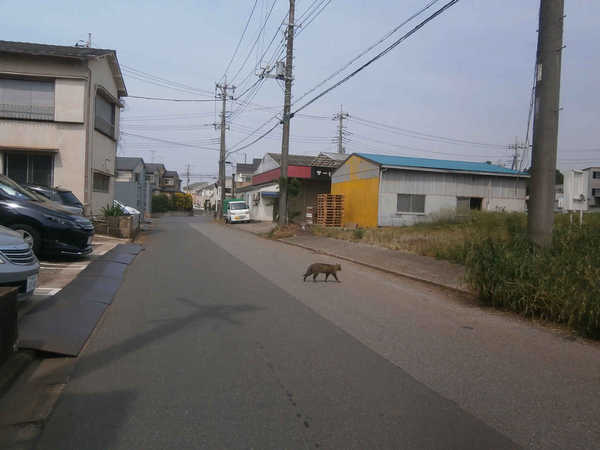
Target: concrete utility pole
(285,141)
(341,116)
(545,122)
(515,156)
(187,173)
(223,95)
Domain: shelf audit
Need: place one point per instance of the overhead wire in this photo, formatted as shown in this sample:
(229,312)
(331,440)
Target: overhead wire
(379,55)
(237,47)
(368,49)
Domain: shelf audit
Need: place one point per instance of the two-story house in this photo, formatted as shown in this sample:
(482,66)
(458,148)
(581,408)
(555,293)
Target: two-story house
(593,186)
(154,175)
(170,182)
(131,188)
(59,118)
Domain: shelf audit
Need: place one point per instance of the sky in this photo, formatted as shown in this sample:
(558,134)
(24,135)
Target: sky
(459,88)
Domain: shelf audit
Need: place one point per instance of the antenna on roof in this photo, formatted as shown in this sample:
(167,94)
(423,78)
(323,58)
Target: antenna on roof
(86,44)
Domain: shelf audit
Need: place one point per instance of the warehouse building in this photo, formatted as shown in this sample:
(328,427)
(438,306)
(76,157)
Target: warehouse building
(383,190)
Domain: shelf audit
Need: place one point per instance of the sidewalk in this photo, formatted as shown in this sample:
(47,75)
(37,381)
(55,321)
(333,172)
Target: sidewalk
(416,267)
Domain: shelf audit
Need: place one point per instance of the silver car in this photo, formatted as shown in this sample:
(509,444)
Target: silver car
(18,265)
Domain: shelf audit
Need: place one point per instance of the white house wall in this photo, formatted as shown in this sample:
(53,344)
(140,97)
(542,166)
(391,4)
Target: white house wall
(261,208)
(69,100)
(266,164)
(441,190)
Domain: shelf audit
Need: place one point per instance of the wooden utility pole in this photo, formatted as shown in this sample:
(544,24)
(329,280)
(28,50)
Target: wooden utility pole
(222,183)
(545,123)
(285,141)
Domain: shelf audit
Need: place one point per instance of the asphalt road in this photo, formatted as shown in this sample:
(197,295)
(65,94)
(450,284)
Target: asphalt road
(214,341)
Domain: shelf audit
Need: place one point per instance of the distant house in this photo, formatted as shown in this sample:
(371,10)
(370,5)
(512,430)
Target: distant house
(382,190)
(593,186)
(154,174)
(245,171)
(59,118)
(312,175)
(170,182)
(131,188)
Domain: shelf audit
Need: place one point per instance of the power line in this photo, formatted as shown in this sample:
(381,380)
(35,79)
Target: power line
(147,75)
(315,15)
(368,49)
(379,55)
(254,141)
(181,144)
(170,99)
(255,42)
(237,47)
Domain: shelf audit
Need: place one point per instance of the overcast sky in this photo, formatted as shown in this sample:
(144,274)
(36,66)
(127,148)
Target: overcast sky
(467,75)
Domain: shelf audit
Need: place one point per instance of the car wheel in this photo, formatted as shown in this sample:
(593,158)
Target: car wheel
(30,235)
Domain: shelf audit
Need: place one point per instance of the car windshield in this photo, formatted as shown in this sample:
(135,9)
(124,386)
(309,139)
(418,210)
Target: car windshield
(68,198)
(238,205)
(13,190)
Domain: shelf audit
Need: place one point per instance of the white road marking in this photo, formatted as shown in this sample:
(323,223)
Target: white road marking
(46,291)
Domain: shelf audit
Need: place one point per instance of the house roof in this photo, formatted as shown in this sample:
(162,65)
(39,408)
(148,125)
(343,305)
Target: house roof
(439,164)
(333,160)
(128,163)
(153,167)
(248,167)
(293,160)
(67,51)
(171,173)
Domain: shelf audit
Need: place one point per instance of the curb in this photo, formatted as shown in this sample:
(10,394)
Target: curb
(384,269)
(14,366)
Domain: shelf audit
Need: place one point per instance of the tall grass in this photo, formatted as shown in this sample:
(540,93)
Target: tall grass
(559,284)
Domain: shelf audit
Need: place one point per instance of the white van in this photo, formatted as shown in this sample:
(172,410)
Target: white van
(237,212)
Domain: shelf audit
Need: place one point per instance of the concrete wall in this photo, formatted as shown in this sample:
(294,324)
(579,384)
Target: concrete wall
(441,190)
(127,193)
(358,180)
(261,208)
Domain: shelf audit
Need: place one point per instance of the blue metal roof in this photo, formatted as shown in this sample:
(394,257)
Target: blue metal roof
(439,164)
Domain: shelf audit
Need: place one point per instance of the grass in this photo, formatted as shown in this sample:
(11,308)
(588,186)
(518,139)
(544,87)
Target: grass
(560,284)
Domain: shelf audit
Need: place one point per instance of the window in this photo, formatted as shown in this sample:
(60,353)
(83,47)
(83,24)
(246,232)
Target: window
(150,178)
(26,99)
(28,168)
(101,182)
(169,182)
(595,174)
(595,192)
(468,203)
(105,116)
(411,203)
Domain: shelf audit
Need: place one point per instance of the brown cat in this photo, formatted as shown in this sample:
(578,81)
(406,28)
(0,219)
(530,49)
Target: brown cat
(327,269)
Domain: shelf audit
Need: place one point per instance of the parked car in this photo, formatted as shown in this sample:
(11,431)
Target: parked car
(18,265)
(42,198)
(46,226)
(59,195)
(237,211)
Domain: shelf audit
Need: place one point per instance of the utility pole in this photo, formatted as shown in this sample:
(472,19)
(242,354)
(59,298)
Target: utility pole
(287,100)
(187,173)
(515,156)
(341,116)
(545,123)
(223,95)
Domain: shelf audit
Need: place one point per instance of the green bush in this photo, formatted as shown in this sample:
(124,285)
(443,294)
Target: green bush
(559,284)
(112,211)
(358,234)
(161,203)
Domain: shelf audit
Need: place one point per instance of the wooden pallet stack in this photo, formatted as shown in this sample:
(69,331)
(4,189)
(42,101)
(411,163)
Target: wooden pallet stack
(329,210)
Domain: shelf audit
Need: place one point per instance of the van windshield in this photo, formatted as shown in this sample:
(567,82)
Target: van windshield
(238,205)
(14,191)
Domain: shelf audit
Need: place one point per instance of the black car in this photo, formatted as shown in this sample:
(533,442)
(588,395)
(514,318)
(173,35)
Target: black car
(46,226)
(58,195)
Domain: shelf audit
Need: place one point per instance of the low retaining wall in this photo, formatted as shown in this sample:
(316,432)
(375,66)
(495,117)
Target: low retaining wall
(8,322)
(173,214)
(117,226)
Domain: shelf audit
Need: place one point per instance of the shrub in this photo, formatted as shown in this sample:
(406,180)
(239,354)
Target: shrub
(161,203)
(358,234)
(112,211)
(182,202)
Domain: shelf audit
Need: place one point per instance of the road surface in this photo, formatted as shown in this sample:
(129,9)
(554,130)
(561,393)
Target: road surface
(214,341)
